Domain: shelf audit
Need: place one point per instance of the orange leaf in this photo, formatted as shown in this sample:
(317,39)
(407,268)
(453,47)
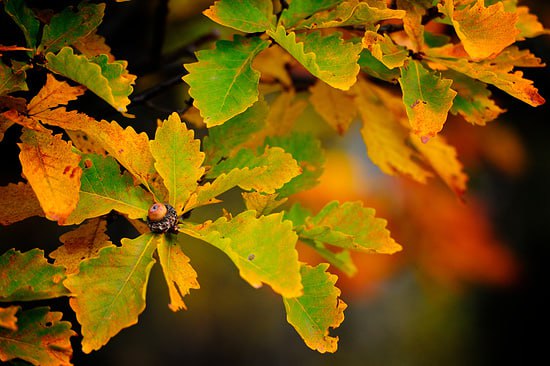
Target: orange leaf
(81,244)
(443,159)
(52,94)
(484,31)
(383,132)
(8,320)
(92,45)
(19,202)
(52,170)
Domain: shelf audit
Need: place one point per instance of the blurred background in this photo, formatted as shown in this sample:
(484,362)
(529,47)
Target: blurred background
(469,288)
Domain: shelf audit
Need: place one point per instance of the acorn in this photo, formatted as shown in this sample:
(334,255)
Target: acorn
(162,218)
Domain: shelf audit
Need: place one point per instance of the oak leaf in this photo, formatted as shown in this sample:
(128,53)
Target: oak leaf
(52,169)
(328,58)
(28,276)
(223,82)
(80,244)
(427,98)
(19,202)
(317,310)
(108,80)
(335,106)
(104,189)
(442,157)
(8,320)
(179,274)
(41,338)
(262,248)
(484,31)
(385,136)
(178,160)
(247,16)
(110,289)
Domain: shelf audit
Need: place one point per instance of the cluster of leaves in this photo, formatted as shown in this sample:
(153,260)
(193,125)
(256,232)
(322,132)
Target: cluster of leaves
(244,93)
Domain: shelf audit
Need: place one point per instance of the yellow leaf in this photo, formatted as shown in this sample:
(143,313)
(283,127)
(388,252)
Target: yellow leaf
(443,159)
(283,112)
(528,24)
(383,48)
(19,202)
(383,131)
(81,244)
(263,204)
(412,23)
(484,31)
(179,274)
(271,64)
(335,106)
(52,170)
(53,94)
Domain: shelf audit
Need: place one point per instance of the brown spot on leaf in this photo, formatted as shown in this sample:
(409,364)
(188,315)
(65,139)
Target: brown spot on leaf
(88,163)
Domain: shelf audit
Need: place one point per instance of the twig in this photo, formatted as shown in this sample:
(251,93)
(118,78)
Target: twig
(158,88)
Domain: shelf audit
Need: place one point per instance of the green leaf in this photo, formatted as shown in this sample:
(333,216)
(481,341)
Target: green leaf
(374,67)
(66,27)
(28,276)
(427,99)
(103,189)
(11,80)
(25,19)
(263,249)
(297,214)
(108,80)
(41,338)
(317,310)
(307,151)
(473,101)
(298,10)
(179,274)
(248,16)
(224,139)
(341,260)
(110,289)
(223,82)
(327,57)
(264,173)
(350,226)
(178,160)
(385,50)
(350,13)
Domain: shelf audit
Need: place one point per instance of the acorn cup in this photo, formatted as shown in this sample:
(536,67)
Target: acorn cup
(162,218)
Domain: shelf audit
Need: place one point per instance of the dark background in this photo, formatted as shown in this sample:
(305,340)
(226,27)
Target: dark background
(406,323)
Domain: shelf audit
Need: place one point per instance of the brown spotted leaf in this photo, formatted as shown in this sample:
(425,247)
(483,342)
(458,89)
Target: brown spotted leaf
(19,202)
(82,243)
(51,167)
